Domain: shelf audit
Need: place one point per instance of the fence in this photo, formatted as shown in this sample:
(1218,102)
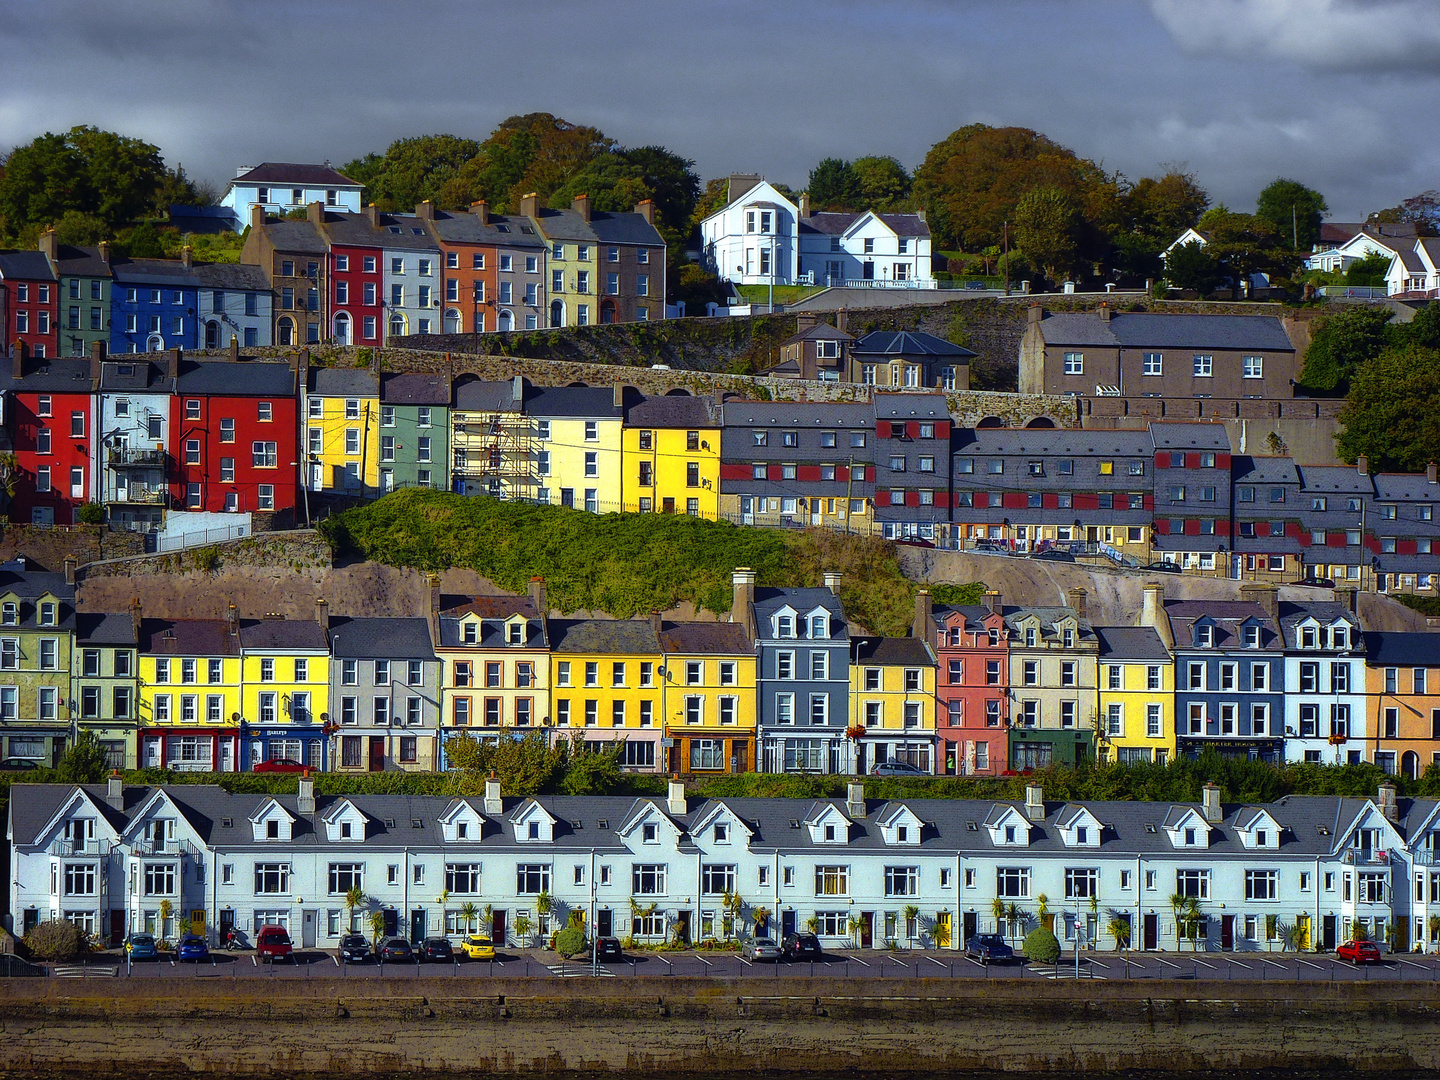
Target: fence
(1354,292)
(180,541)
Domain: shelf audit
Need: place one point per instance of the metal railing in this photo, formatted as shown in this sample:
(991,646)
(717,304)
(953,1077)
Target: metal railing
(143,495)
(149,845)
(130,457)
(180,541)
(68,847)
(1377,857)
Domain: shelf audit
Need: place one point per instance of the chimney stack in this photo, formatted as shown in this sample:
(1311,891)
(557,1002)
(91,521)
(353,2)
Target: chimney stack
(372,215)
(1349,596)
(17,362)
(234,348)
(104,249)
(494,804)
(530,205)
(1034,801)
(924,607)
(305,797)
(537,596)
(425,211)
(842,320)
(1362,465)
(135,619)
(257,217)
(617,395)
(1210,803)
(232,619)
(655,621)
(994,601)
(315,214)
(1267,596)
(832,581)
(1034,313)
(115,791)
(70,564)
(1076,599)
(50,245)
(322,614)
(1385,799)
(97,357)
(804,204)
(1430,473)
(855,800)
(1152,603)
(434,582)
(581,205)
(187,257)
(646,209)
(1104,312)
(172,364)
(481,209)
(675,796)
(742,581)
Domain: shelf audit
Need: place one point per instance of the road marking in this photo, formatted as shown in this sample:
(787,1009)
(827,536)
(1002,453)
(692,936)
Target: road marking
(579,972)
(1308,964)
(1203,964)
(1272,963)
(862,963)
(1409,963)
(1100,963)
(977,963)
(747,963)
(1237,963)
(937,962)
(1167,963)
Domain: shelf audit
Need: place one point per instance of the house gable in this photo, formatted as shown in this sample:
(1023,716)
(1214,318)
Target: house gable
(1187,829)
(1007,826)
(532,823)
(827,824)
(1257,830)
(899,825)
(719,827)
(345,823)
(647,826)
(1079,828)
(272,822)
(461,823)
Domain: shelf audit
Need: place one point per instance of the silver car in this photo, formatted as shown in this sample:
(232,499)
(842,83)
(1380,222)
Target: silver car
(761,947)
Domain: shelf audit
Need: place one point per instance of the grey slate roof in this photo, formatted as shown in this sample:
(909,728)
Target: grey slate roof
(1180,436)
(1265,470)
(574,401)
(52,375)
(344,382)
(154,272)
(402,639)
(283,634)
(479,395)
(834,223)
(291,236)
(819,332)
(493,612)
(838,414)
(911,406)
(463,228)
(1049,619)
(246,378)
(29,585)
(286,173)
(565,225)
(1227,615)
(906,343)
(603,636)
(1131,643)
(104,628)
(672,412)
(188,637)
(624,228)
(722,638)
(1325,612)
(769,601)
(891,651)
(25,266)
(1405,487)
(1055,442)
(239,276)
(81,262)
(415,388)
(1136,330)
(405,232)
(1402,649)
(1335,479)
(131,375)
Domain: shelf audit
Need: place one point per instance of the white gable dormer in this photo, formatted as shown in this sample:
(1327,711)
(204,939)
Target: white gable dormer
(273,823)
(515,627)
(1008,827)
(461,823)
(1251,632)
(344,823)
(471,628)
(1370,837)
(648,826)
(1342,636)
(1257,830)
(899,825)
(1187,828)
(1028,630)
(718,828)
(818,624)
(1309,634)
(828,824)
(158,826)
(1079,828)
(533,824)
(784,623)
(77,828)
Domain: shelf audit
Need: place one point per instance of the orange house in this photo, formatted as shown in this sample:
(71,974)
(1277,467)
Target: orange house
(1402,684)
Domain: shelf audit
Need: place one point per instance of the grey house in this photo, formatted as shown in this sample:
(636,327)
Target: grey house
(385,693)
(912,466)
(1192,495)
(802,676)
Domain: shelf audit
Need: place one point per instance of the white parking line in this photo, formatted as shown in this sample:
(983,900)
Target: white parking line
(1411,963)
(937,962)
(972,960)
(1167,963)
(862,963)
(1308,964)
(1237,963)
(747,963)
(1272,963)
(1203,964)
(1098,963)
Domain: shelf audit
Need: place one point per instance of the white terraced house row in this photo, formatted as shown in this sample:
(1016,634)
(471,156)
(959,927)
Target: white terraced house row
(862,873)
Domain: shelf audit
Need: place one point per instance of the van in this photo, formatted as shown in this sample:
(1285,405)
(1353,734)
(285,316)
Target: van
(273,943)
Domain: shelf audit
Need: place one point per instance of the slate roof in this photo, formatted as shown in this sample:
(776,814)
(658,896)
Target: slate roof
(25,266)
(891,652)
(188,637)
(1227,615)
(155,272)
(769,601)
(51,375)
(1135,330)
(239,276)
(906,343)
(405,232)
(797,414)
(1049,619)
(403,639)
(245,378)
(672,412)
(973,614)
(603,636)
(104,628)
(624,228)
(705,637)
(289,173)
(1406,487)
(344,382)
(1055,442)
(584,401)
(352,230)
(1265,470)
(465,228)
(1337,479)
(283,634)
(1131,643)
(834,223)
(81,262)
(819,332)
(565,225)
(479,395)
(493,612)
(913,406)
(1324,612)
(291,236)
(1179,436)
(1402,649)
(415,389)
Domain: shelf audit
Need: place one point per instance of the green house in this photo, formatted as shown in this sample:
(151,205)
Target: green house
(104,684)
(414,446)
(37,632)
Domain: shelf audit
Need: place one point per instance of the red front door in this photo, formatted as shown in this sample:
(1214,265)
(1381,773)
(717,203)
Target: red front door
(377,753)
(117,927)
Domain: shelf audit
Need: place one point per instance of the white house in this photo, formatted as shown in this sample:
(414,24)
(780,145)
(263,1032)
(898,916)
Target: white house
(411,262)
(1415,271)
(235,304)
(282,186)
(754,238)
(134,441)
(1325,703)
(1360,246)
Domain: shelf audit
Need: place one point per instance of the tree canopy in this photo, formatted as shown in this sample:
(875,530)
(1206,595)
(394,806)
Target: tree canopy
(536,152)
(1390,415)
(1047,228)
(1190,266)
(867,183)
(1245,244)
(1294,211)
(1339,344)
(411,170)
(1422,211)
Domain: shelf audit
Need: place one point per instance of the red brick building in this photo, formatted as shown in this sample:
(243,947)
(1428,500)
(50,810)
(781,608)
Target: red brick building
(972,685)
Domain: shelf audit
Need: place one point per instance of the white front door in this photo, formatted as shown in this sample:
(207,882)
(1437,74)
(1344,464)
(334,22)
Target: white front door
(227,755)
(152,753)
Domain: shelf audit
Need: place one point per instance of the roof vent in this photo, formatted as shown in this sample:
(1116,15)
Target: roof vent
(576,825)
(794,823)
(416,823)
(1150,826)
(389,822)
(602,823)
(972,826)
(227,823)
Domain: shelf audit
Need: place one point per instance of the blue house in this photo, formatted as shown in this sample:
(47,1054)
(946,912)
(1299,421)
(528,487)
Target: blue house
(1229,676)
(802,676)
(153,305)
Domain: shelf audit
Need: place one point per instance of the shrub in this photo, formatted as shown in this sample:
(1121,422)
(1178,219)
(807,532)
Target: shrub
(57,939)
(90,513)
(1042,946)
(571,941)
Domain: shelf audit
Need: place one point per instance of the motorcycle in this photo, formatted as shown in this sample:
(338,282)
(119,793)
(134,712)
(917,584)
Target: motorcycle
(235,942)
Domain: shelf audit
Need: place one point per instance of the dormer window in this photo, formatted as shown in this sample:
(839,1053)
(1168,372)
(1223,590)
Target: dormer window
(1262,838)
(1030,637)
(1082,834)
(784,626)
(1205,636)
(1307,637)
(272,830)
(346,829)
(829,833)
(515,633)
(1069,637)
(902,834)
(467,633)
(1340,637)
(1189,837)
(649,834)
(1009,834)
(1252,637)
(47,614)
(533,831)
(819,626)
(722,834)
(462,830)
(10,614)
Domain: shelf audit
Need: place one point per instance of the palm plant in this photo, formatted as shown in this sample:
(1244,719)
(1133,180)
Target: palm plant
(1015,917)
(1292,937)
(468,911)
(1434,926)
(1193,918)
(760,916)
(522,929)
(1120,930)
(940,932)
(1358,931)
(912,913)
(854,925)
(997,908)
(354,898)
(813,924)
(377,926)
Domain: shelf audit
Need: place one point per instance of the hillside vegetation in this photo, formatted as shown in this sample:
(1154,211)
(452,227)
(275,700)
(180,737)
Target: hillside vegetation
(622,564)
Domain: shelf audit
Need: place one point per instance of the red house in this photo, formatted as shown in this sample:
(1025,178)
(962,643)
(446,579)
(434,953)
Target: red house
(972,687)
(29,303)
(233,429)
(49,410)
(357,315)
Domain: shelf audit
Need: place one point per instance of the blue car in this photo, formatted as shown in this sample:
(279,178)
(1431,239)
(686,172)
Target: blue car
(989,949)
(192,947)
(141,947)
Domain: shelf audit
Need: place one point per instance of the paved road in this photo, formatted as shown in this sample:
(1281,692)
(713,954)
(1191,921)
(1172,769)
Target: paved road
(1266,967)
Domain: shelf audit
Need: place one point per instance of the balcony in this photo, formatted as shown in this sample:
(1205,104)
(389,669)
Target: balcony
(68,848)
(1361,857)
(149,846)
(142,495)
(127,457)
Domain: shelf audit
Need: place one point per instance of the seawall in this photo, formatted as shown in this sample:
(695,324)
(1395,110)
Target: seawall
(665,1027)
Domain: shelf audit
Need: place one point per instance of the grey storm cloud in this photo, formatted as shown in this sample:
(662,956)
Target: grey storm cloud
(1241,91)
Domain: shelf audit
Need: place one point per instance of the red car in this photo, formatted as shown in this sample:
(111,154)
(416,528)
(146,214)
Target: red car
(281,764)
(1359,952)
(273,943)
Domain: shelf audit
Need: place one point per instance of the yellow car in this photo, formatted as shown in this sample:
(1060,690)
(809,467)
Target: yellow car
(477,947)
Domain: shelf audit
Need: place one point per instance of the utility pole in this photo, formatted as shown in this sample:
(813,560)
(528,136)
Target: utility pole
(1294,228)
(1006,241)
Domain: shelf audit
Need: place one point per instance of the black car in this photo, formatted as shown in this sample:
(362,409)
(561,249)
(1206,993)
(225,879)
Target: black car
(16,764)
(989,949)
(608,948)
(1162,567)
(437,949)
(1317,582)
(1054,555)
(354,949)
(395,948)
(802,946)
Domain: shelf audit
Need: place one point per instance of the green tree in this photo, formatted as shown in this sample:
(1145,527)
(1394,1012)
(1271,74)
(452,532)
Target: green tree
(1294,211)
(884,183)
(143,242)
(84,761)
(1422,211)
(114,178)
(1046,226)
(1339,344)
(1370,270)
(592,772)
(712,198)
(1190,266)
(411,170)
(536,152)
(571,941)
(354,898)
(672,180)
(55,940)
(1245,244)
(377,926)
(1164,207)
(80,229)
(1390,414)
(1424,328)
(834,186)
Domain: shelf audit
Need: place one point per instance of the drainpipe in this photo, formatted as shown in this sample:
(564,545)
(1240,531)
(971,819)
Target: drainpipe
(1138,926)
(1315,926)
(405,892)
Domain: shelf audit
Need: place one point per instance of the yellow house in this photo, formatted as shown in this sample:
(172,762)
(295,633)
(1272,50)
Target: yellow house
(285,691)
(495,670)
(605,684)
(572,259)
(343,450)
(1054,697)
(672,457)
(578,436)
(892,702)
(708,697)
(189,694)
(1137,695)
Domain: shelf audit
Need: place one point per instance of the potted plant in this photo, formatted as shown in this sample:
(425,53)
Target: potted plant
(377,927)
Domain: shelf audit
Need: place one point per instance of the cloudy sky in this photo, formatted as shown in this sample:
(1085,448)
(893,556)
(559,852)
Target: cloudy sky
(1339,94)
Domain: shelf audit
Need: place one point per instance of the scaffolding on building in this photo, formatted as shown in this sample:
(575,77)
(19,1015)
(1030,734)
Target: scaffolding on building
(494,455)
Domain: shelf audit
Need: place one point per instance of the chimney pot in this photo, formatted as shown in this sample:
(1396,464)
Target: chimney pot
(530,205)
(1210,803)
(832,581)
(1362,465)
(1385,798)
(855,799)
(994,602)
(1035,802)
(675,796)
(70,564)
(494,804)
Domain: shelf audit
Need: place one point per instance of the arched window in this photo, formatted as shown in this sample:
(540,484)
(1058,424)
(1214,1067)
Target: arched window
(212,335)
(507,321)
(557,313)
(397,326)
(607,312)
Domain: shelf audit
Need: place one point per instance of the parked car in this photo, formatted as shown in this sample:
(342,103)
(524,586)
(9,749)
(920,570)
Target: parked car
(762,947)
(18,764)
(1317,582)
(1054,555)
(976,285)
(354,949)
(801,946)
(477,947)
(986,547)
(988,949)
(192,947)
(280,764)
(395,948)
(897,768)
(1162,567)
(141,947)
(436,949)
(1359,952)
(608,948)
(273,943)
